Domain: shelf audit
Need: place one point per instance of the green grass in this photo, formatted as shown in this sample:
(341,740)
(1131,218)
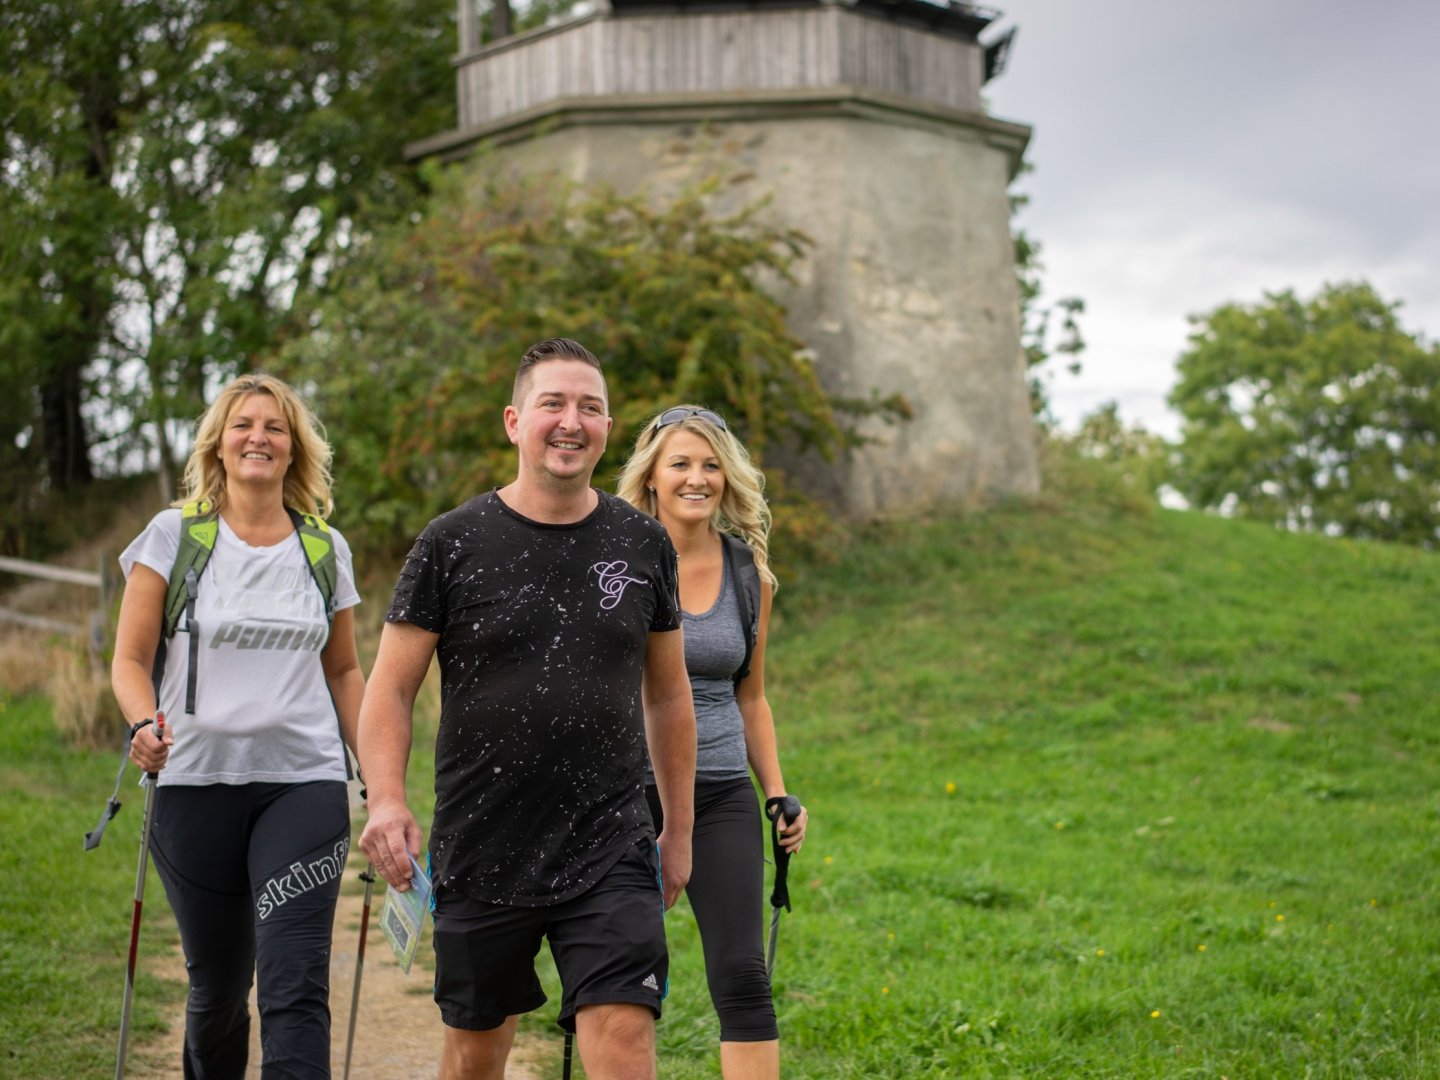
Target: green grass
(1094,792)
(66,912)
(1098,793)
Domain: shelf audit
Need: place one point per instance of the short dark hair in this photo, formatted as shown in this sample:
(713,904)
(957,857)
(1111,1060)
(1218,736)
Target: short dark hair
(551,349)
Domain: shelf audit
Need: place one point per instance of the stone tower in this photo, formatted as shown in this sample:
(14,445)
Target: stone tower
(863,121)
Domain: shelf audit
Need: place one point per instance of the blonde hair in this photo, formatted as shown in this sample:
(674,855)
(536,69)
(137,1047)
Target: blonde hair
(742,510)
(307,481)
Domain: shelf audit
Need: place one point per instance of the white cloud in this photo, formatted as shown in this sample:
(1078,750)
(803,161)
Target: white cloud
(1192,155)
(1160,251)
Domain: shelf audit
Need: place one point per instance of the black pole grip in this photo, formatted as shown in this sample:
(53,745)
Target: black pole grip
(788,807)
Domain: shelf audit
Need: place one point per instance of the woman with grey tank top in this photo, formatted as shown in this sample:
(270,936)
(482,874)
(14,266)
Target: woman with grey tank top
(690,471)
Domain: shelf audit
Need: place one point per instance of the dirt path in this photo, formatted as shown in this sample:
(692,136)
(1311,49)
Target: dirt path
(397,1032)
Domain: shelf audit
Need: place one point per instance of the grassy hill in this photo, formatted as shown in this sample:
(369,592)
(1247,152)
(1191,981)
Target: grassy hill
(1095,790)
(1098,793)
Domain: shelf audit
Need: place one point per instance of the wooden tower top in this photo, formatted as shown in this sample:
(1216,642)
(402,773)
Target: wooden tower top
(677,59)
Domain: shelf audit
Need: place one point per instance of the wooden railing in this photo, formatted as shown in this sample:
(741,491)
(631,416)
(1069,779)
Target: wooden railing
(777,50)
(97,626)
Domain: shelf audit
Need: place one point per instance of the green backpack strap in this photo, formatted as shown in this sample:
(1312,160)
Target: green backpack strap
(319,545)
(199,526)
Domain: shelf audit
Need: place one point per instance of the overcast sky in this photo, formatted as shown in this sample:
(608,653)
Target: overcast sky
(1189,154)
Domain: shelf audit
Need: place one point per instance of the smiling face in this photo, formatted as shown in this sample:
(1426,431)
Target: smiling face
(562,422)
(688,479)
(255,446)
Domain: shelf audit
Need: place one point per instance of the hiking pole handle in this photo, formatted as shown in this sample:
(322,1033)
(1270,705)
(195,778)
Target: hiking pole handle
(788,807)
(160,736)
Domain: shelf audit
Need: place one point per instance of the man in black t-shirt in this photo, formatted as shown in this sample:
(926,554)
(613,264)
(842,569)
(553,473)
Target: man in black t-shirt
(553,608)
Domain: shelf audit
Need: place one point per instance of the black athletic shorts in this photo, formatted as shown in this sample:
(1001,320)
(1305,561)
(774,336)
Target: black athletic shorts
(608,944)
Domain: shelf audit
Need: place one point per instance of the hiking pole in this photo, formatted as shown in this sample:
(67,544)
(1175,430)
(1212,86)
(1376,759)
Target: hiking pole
(788,807)
(369,878)
(569,1046)
(145,824)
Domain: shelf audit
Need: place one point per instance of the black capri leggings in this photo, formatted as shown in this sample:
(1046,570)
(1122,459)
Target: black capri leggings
(253,873)
(726,891)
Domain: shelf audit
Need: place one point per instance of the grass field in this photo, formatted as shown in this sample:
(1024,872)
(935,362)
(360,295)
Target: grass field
(1095,791)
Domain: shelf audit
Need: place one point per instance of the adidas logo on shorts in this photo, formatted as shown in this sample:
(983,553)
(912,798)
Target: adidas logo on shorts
(650,983)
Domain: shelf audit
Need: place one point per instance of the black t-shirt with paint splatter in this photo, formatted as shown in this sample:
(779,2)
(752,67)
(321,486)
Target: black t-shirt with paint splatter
(540,756)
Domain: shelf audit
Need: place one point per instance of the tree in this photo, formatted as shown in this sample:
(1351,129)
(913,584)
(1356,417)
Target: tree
(176,173)
(1041,337)
(1318,415)
(1139,457)
(411,360)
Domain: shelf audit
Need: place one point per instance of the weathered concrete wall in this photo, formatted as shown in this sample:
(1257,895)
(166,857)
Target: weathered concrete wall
(910,286)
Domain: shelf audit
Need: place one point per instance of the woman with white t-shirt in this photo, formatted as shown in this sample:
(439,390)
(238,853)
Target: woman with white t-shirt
(252,821)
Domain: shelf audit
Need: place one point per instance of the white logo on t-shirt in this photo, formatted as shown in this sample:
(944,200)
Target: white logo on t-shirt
(613,581)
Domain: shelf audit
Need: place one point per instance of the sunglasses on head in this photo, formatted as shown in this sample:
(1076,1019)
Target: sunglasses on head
(676,415)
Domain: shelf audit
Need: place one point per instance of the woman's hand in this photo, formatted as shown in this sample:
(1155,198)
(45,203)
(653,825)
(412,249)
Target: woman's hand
(792,832)
(148,750)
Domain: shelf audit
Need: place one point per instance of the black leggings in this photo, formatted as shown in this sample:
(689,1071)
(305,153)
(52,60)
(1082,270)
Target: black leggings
(726,891)
(253,873)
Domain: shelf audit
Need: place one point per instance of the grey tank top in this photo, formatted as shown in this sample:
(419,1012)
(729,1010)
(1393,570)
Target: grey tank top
(714,651)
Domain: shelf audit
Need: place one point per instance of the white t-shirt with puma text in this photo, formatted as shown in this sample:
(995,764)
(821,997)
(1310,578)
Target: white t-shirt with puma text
(263,712)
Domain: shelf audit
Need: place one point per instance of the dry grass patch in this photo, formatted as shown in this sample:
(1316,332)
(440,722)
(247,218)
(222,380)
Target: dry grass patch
(78,686)
(22,663)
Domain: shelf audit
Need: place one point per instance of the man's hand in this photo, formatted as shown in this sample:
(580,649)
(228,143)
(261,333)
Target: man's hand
(392,835)
(670,735)
(390,839)
(674,864)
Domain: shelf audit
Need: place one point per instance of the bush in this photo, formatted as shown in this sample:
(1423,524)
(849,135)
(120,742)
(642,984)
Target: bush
(410,363)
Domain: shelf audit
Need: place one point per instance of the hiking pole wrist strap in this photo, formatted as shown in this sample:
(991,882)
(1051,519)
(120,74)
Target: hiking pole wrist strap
(112,805)
(788,807)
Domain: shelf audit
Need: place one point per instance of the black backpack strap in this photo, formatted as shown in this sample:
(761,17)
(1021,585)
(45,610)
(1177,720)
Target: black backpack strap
(157,669)
(745,574)
(192,587)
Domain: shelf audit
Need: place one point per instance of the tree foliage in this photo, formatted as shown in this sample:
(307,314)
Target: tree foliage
(1046,330)
(175,173)
(1140,458)
(411,361)
(1313,414)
